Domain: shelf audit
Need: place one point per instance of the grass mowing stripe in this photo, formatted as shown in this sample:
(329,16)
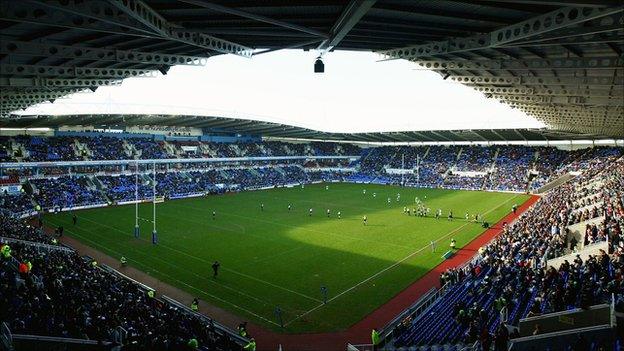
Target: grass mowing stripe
(289,248)
(105,248)
(394,264)
(306,229)
(269,258)
(206,261)
(265,238)
(168,263)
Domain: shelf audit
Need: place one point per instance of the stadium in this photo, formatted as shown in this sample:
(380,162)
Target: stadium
(382,210)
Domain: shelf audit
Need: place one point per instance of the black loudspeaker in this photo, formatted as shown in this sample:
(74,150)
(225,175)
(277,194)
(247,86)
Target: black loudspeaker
(319,66)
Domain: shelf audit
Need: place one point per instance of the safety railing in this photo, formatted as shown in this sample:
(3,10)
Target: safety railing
(218,326)
(38,246)
(6,339)
(416,310)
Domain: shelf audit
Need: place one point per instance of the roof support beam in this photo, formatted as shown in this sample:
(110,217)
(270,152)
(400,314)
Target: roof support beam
(440,136)
(547,92)
(457,136)
(423,137)
(519,134)
(223,9)
(559,100)
(56,83)
(144,14)
(36,49)
(555,20)
(574,81)
(574,34)
(585,3)
(498,135)
(72,72)
(151,19)
(294,46)
(351,15)
(476,132)
(571,63)
(108,19)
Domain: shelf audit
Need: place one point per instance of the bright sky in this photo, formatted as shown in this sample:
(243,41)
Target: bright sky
(355,94)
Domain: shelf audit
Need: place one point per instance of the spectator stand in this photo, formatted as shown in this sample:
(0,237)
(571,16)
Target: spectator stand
(6,339)
(36,245)
(220,328)
(413,312)
(594,328)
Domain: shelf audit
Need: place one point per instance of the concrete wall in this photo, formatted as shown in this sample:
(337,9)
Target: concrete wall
(555,183)
(578,230)
(566,320)
(591,249)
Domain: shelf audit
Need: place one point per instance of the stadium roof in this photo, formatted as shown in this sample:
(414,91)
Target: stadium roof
(230,126)
(560,61)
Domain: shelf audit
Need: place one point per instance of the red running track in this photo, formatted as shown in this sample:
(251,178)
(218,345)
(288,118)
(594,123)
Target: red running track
(359,333)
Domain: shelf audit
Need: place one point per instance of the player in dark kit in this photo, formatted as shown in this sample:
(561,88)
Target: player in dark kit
(214,214)
(74,219)
(215,269)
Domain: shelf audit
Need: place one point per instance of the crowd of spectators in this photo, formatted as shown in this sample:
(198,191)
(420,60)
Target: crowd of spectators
(510,277)
(48,149)
(456,181)
(7,153)
(104,148)
(19,229)
(500,167)
(475,159)
(65,148)
(503,167)
(67,191)
(511,168)
(550,159)
(73,191)
(122,188)
(56,292)
(15,202)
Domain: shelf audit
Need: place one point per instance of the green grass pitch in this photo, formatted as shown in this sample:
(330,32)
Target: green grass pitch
(279,258)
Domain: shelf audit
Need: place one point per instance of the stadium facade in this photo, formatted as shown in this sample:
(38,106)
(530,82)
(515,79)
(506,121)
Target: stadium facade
(547,276)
